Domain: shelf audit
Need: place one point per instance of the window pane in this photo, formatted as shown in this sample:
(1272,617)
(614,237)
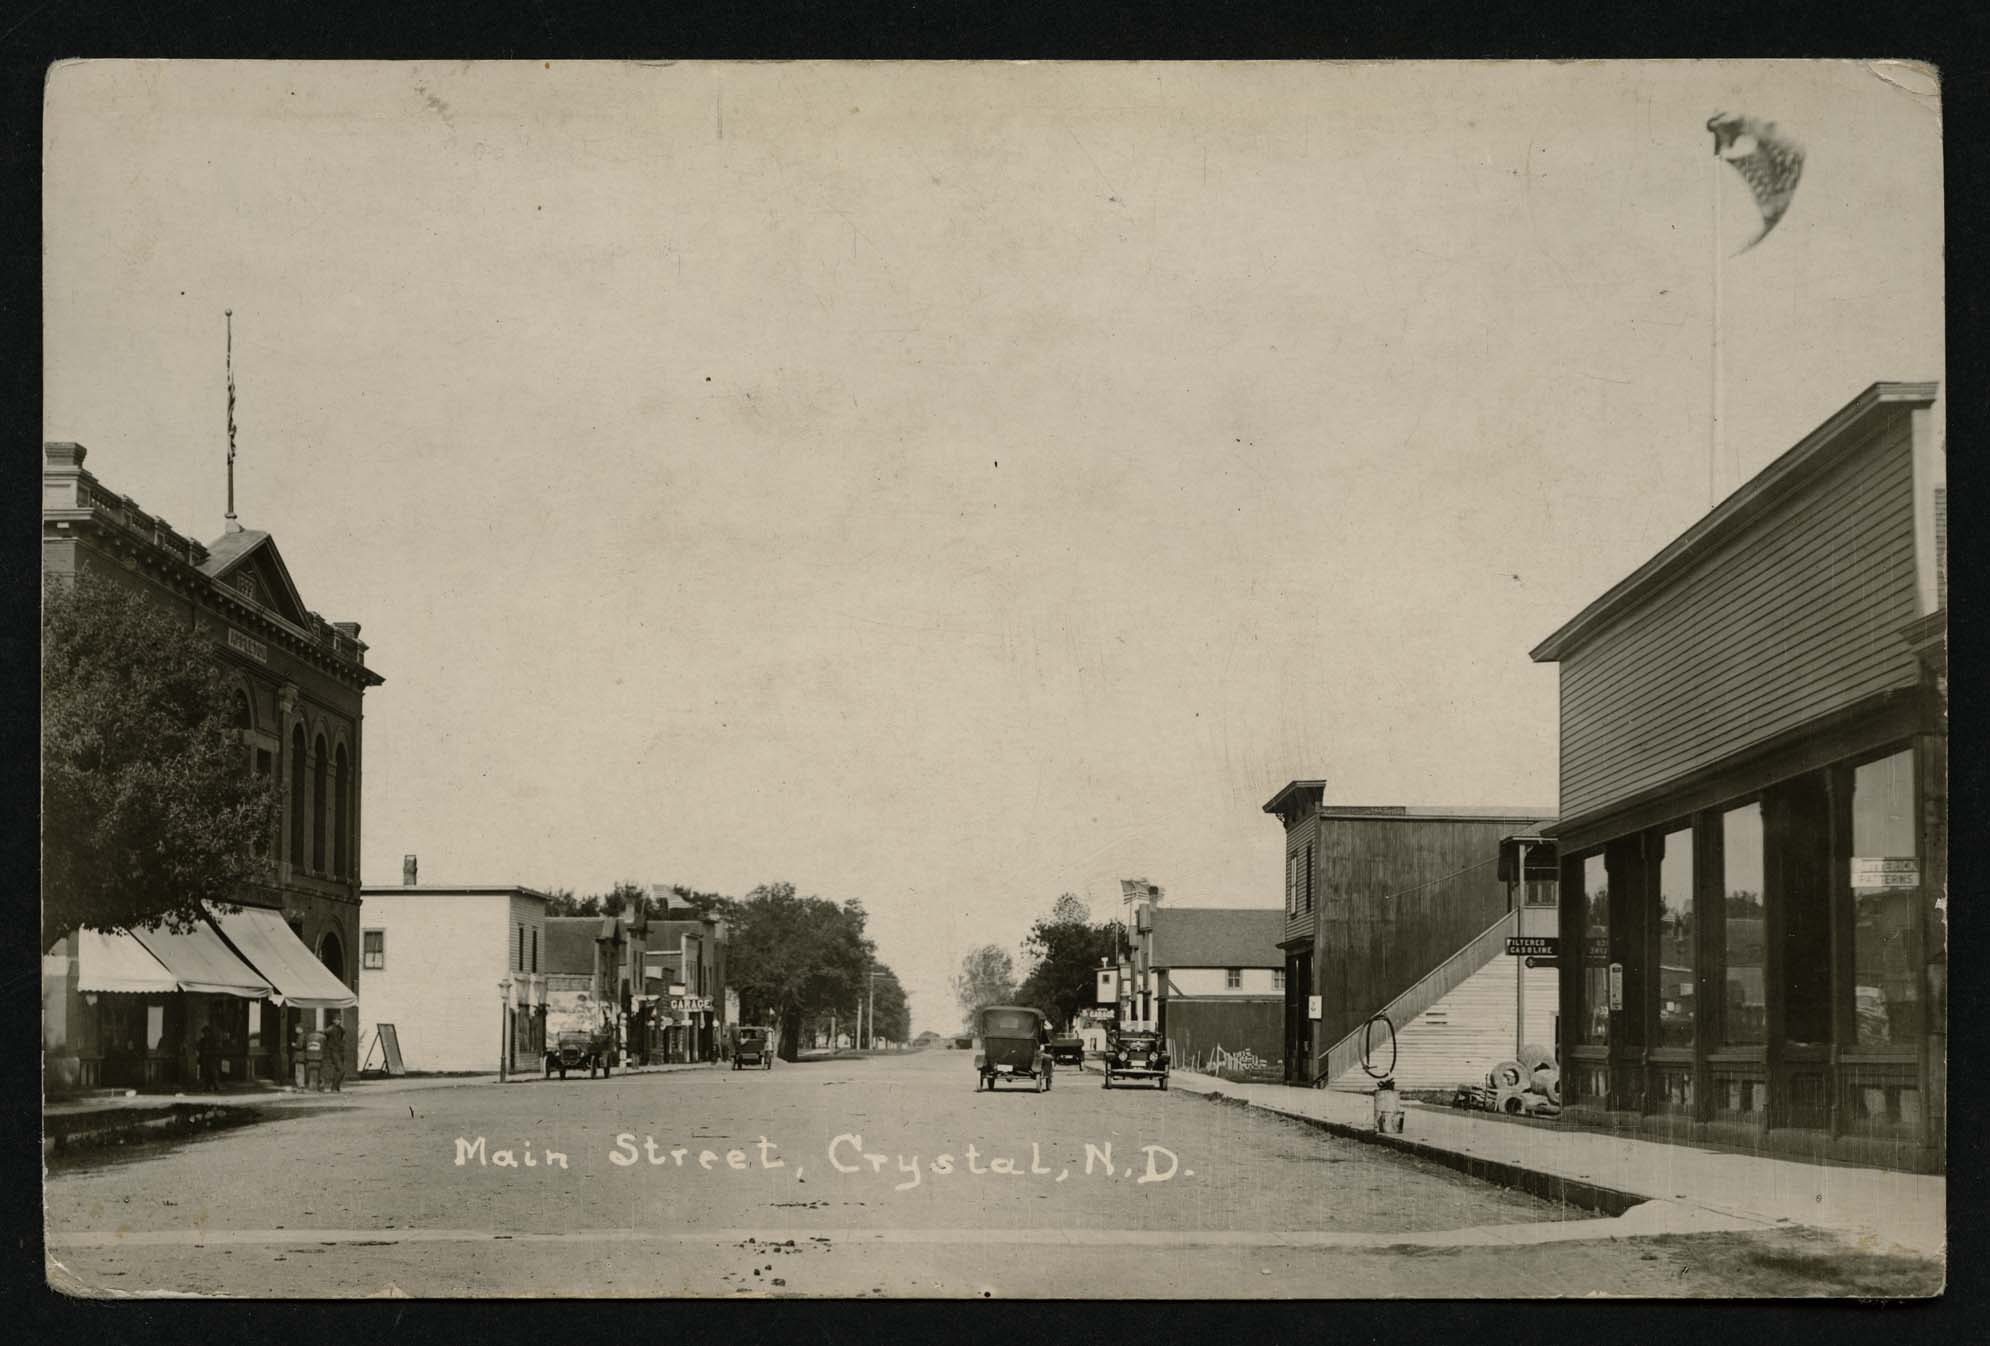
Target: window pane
(1886,925)
(1676,940)
(1744,1013)
(1595,1025)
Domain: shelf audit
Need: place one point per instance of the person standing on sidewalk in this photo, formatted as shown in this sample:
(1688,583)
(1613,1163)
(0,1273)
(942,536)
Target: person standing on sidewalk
(209,1052)
(335,1054)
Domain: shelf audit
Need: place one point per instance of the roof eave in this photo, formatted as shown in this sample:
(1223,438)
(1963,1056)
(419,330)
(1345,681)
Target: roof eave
(1732,513)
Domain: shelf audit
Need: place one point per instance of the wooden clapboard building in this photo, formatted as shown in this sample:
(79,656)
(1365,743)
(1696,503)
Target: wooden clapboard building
(1753,827)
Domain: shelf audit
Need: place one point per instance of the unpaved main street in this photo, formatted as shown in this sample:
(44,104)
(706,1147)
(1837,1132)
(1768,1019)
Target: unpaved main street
(889,1176)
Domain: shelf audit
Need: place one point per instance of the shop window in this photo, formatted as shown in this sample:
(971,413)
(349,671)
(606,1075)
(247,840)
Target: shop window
(1542,892)
(1886,907)
(1278,979)
(1677,935)
(1594,1030)
(1744,1011)
(1233,979)
(373,950)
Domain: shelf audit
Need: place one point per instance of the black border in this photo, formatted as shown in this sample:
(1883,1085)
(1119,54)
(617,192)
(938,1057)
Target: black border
(34,33)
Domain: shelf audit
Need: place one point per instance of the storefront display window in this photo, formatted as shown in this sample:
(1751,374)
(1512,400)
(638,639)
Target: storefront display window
(1744,1011)
(1677,932)
(1886,900)
(1595,1026)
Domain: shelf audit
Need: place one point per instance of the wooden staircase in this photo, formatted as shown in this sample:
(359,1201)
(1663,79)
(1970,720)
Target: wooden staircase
(1454,1024)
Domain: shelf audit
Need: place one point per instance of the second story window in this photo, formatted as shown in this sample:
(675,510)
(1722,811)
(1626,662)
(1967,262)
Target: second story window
(1278,979)
(373,950)
(1233,979)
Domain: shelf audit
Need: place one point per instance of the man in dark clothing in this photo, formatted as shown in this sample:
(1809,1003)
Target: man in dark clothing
(335,1053)
(209,1049)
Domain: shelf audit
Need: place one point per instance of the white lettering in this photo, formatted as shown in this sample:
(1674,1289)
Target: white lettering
(503,1159)
(559,1155)
(624,1154)
(943,1165)
(911,1168)
(706,1159)
(765,1148)
(1104,1156)
(1004,1166)
(1036,1160)
(877,1162)
(854,1142)
(1153,1174)
(972,1155)
(465,1151)
(736,1159)
(678,1154)
(651,1152)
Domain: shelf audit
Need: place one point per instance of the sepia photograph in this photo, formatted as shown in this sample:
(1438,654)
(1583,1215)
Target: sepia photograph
(866,680)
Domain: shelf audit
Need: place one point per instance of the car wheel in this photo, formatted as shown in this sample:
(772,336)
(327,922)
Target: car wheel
(1164,1084)
(563,1072)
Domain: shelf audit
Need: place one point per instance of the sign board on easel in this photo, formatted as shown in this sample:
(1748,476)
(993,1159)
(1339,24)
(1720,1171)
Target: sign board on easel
(390,1048)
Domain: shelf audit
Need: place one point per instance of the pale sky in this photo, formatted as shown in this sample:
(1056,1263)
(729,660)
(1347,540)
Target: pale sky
(951,486)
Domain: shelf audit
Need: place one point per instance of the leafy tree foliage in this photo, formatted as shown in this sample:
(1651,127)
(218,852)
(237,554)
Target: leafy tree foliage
(793,957)
(894,1015)
(1070,909)
(987,977)
(1065,957)
(149,806)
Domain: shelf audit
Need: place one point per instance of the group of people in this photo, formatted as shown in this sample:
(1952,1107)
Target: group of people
(331,1055)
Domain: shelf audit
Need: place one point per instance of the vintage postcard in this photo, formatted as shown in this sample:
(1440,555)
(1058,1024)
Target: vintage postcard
(994,680)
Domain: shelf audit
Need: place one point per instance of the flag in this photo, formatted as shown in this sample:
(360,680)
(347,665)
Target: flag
(1771,163)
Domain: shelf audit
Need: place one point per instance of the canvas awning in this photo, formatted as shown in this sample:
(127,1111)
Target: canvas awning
(272,948)
(199,961)
(112,961)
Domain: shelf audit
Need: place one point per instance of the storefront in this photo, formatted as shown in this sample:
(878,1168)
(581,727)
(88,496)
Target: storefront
(1754,828)
(304,995)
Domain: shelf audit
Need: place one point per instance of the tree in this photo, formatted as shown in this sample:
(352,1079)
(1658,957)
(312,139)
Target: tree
(1070,909)
(892,1015)
(150,810)
(1065,956)
(793,957)
(626,896)
(987,977)
(562,902)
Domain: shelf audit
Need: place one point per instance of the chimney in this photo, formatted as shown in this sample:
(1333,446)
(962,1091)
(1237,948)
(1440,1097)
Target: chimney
(407,871)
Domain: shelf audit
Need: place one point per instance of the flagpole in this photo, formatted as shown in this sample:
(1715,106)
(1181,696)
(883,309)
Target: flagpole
(1715,427)
(229,315)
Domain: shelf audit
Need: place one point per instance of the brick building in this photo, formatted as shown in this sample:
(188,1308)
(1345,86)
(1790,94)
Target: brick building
(126,1009)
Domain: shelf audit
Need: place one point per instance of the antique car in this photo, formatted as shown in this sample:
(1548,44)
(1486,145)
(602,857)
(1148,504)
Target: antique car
(753,1046)
(1068,1050)
(1137,1056)
(1015,1045)
(574,1048)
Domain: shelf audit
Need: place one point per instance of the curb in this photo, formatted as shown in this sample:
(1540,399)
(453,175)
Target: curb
(1555,1187)
(93,1131)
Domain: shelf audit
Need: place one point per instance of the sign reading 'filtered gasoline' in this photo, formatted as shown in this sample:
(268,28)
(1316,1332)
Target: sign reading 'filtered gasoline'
(1541,946)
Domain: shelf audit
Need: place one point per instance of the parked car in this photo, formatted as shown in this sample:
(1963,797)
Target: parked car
(753,1046)
(1137,1056)
(1015,1045)
(575,1048)
(1068,1050)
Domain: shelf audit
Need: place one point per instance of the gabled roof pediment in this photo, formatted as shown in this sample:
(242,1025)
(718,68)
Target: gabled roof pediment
(250,563)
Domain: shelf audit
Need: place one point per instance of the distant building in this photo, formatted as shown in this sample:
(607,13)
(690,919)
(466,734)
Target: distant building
(1754,830)
(458,969)
(1220,979)
(1388,908)
(128,1009)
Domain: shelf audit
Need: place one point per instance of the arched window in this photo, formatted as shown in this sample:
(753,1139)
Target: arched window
(244,717)
(331,952)
(318,808)
(341,813)
(297,796)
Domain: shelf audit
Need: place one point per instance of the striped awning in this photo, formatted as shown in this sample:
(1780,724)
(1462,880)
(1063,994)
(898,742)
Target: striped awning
(199,961)
(269,946)
(112,961)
